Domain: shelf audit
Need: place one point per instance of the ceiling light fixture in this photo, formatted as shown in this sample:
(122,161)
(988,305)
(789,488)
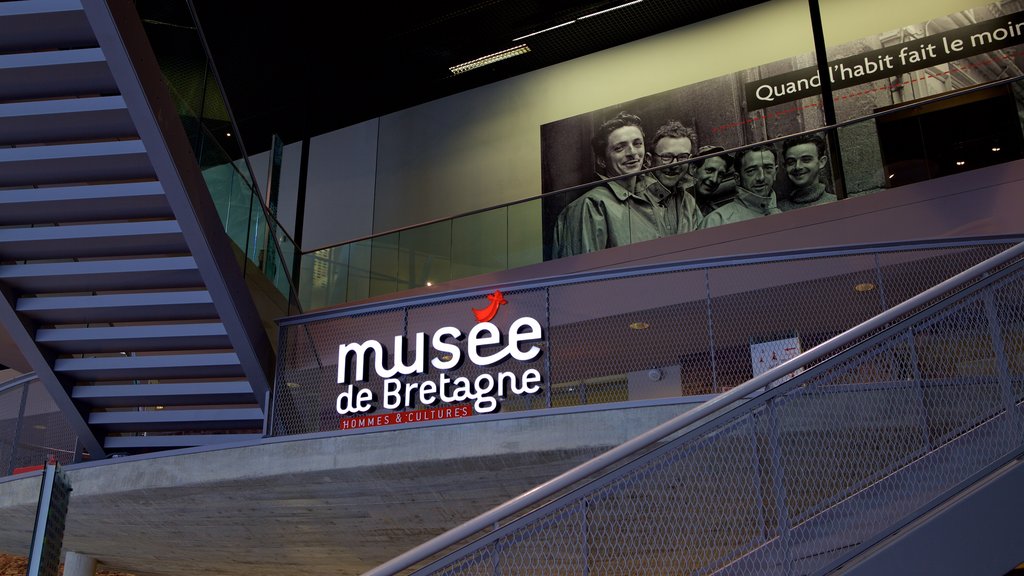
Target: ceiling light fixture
(864,287)
(599,12)
(639,325)
(960,162)
(996,148)
(610,9)
(490,59)
(544,30)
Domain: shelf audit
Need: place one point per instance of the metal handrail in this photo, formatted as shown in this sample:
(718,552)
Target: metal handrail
(633,446)
(292,288)
(586,186)
(17,381)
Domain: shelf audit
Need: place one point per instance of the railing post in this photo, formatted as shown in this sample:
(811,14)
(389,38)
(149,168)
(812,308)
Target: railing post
(915,371)
(778,486)
(547,355)
(711,331)
(1002,364)
(17,428)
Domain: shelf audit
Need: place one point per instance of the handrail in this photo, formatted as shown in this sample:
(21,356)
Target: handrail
(631,447)
(17,381)
(588,185)
(292,288)
(648,269)
(231,114)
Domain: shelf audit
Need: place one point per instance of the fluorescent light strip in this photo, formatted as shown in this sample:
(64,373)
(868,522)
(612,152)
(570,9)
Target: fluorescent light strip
(577,20)
(610,9)
(544,30)
(490,59)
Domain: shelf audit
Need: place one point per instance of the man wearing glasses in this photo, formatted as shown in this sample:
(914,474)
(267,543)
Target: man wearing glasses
(755,195)
(627,206)
(671,146)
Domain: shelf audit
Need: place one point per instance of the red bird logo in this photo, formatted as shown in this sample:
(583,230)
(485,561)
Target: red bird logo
(486,314)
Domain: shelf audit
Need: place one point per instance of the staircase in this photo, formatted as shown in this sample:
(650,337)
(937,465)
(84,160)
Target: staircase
(895,449)
(119,284)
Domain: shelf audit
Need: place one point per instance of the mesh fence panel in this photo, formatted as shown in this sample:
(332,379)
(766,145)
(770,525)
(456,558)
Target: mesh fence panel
(10,407)
(33,429)
(642,336)
(803,475)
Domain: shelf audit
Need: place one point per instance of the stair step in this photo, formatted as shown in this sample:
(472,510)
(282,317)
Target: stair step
(92,240)
(178,394)
(206,336)
(98,275)
(184,420)
(122,201)
(163,367)
(170,441)
(138,307)
(55,73)
(46,121)
(37,24)
(67,163)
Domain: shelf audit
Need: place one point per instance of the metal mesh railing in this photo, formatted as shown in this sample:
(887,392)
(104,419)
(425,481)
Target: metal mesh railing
(701,329)
(879,425)
(32,428)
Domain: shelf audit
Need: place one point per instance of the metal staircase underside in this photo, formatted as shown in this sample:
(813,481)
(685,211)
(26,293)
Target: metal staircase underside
(119,284)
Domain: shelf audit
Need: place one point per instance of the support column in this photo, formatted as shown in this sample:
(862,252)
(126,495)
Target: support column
(76,564)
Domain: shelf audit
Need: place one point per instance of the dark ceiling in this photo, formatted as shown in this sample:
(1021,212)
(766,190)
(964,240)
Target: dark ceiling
(301,69)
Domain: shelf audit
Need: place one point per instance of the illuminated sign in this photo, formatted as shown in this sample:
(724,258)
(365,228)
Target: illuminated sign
(485,346)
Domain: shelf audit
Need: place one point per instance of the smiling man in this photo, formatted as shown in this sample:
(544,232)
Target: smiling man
(755,195)
(805,159)
(626,207)
(671,146)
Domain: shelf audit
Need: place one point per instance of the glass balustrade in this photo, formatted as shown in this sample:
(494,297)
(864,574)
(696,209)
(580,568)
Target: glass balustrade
(897,147)
(191,78)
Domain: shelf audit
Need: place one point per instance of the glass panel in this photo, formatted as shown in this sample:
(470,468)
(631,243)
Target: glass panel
(359,270)
(425,256)
(480,243)
(384,251)
(525,244)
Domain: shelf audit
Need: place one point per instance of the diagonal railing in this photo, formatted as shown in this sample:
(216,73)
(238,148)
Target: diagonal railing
(795,471)
(192,78)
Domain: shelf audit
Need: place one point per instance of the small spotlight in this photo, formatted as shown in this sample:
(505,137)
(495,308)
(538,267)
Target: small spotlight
(864,287)
(639,325)
(996,148)
(429,283)
(228,134)
(960,162)
(159,407)
(891,176)
(292,384)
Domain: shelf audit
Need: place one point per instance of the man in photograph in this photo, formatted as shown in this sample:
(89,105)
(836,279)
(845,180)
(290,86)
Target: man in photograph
(673,144)
(712,177)
(805,160)
(755,195)
(624,208)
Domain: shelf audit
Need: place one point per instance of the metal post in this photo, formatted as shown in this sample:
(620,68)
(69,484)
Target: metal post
(915,371)
(1002,365)
(711,331)
(827,102)
(17,428)
(779,487)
